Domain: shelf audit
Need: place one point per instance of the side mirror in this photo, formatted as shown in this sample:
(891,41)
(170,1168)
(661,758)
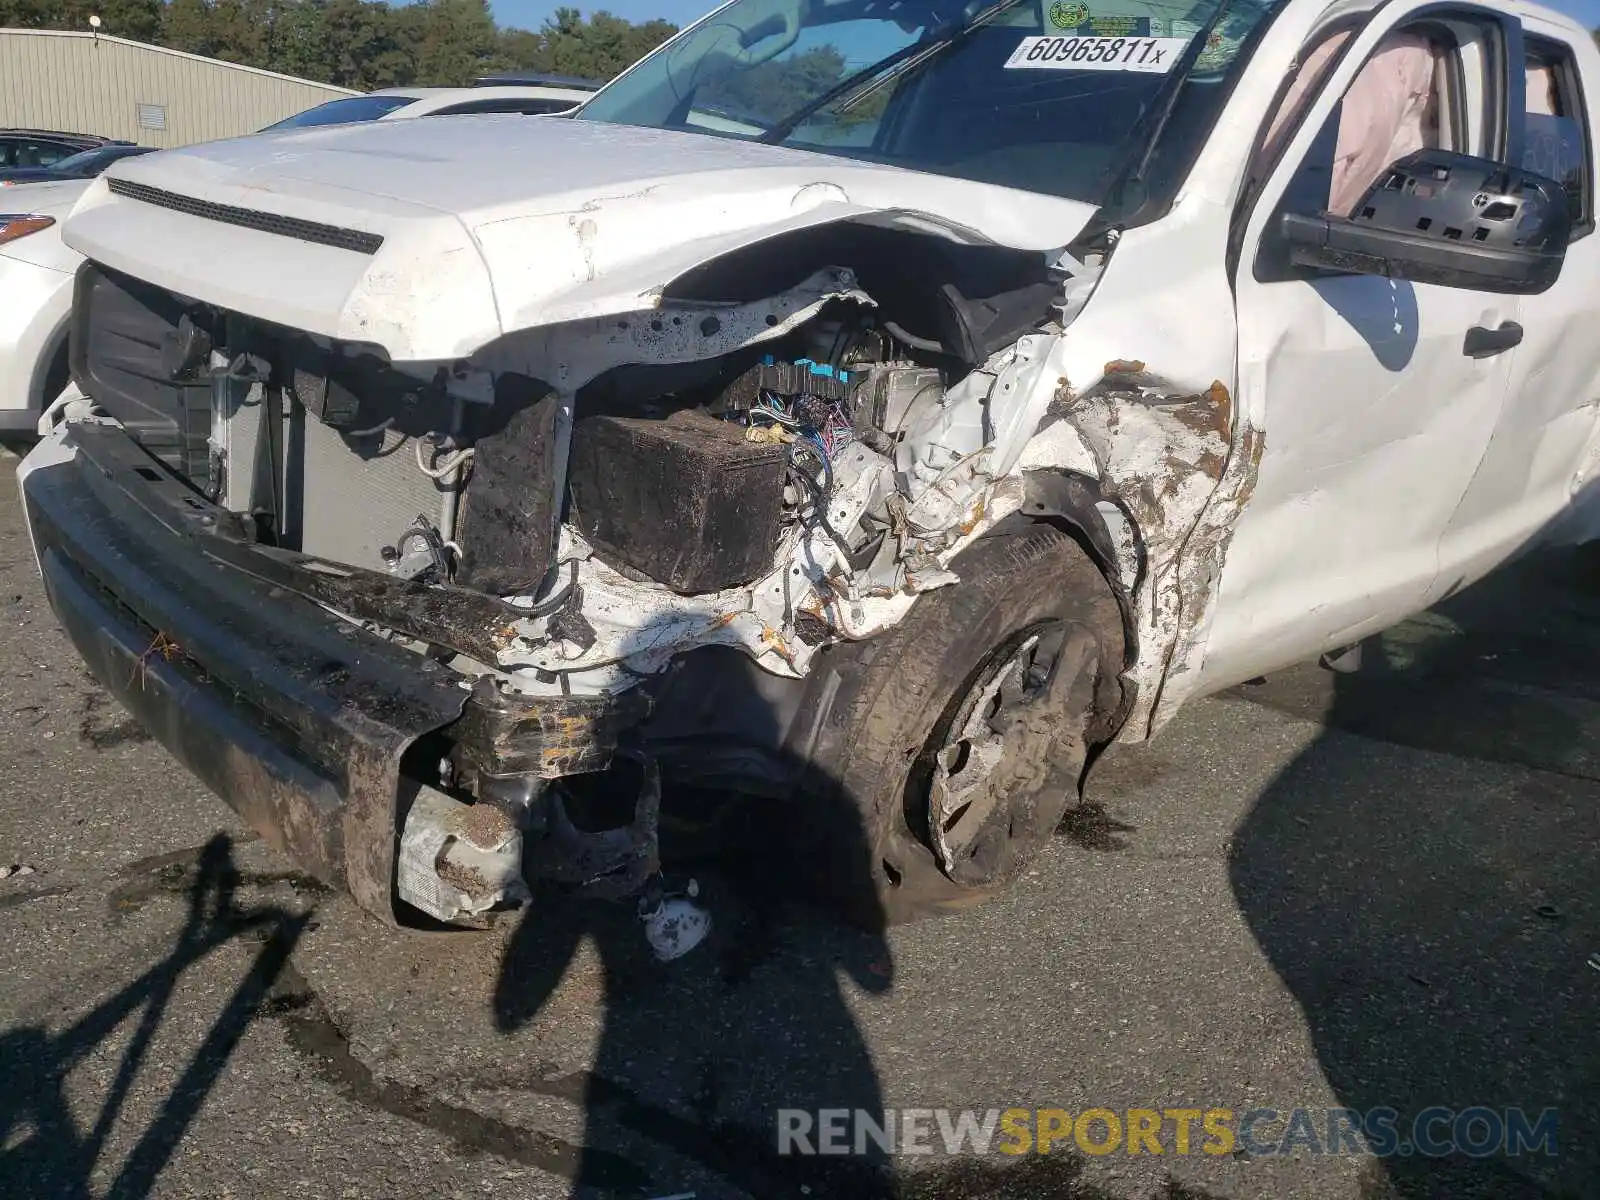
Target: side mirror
(1447,219)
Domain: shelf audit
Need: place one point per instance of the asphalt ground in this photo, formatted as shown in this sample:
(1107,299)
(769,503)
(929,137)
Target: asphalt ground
(1350,891)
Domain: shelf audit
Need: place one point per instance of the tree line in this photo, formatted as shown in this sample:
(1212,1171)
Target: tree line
(362,44)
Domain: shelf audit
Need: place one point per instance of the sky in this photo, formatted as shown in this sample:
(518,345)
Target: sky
(530,14)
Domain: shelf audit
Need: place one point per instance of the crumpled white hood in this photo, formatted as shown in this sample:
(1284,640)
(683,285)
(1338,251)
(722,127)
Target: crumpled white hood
(494,224)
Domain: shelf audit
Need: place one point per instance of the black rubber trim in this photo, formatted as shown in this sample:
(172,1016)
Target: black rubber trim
(290,227)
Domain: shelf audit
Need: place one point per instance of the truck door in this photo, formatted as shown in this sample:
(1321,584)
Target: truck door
(1375,419)
(1546,429)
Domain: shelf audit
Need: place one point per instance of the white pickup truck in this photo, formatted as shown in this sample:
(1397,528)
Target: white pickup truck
(869,409)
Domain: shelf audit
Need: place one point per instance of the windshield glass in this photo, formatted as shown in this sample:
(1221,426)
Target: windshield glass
(340,112)
(1045,95)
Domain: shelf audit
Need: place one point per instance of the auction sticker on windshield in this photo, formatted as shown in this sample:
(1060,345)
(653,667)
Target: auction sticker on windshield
(1152,54)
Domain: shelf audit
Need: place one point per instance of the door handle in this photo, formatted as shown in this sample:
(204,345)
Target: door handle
(1486,343)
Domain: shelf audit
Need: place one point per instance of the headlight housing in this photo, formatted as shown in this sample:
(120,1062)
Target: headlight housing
(20,225)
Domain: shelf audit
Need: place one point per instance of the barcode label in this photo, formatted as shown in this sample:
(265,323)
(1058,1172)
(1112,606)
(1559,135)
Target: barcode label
(1151,54)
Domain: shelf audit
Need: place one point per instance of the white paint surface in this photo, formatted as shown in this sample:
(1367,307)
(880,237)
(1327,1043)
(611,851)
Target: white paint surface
(496,224)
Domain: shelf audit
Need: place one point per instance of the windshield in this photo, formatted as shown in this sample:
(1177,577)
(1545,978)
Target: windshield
(1051,96)
(340,112)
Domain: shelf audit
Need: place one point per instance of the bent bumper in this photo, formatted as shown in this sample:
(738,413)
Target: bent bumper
(297,718)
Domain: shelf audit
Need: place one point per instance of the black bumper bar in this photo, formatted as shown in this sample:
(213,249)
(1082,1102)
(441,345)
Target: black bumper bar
(294,716)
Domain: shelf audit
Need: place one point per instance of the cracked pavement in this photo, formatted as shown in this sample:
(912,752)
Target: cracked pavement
(1319,890)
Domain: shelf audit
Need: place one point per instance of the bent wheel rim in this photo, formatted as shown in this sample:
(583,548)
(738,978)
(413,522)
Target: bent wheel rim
(982,768)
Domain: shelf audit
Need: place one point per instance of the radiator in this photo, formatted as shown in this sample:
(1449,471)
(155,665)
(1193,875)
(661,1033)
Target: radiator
(347,498)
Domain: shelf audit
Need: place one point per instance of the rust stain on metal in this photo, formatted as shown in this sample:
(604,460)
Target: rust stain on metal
(1217,393)
(569,737)
(774,642)
(1209,412)
(1125,366)
(570,728)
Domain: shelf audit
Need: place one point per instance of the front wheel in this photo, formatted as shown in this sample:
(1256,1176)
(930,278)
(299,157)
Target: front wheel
(957,741)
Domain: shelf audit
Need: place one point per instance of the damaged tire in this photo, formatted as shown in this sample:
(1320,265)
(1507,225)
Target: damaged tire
(955,743)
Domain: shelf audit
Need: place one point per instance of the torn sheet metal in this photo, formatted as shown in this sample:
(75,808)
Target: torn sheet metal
(1173,465)
(1182,467)
(570,355)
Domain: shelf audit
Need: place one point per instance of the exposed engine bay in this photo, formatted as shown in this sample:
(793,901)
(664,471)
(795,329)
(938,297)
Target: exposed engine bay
(627,537)
(447,493)
(801,487)
(805,498)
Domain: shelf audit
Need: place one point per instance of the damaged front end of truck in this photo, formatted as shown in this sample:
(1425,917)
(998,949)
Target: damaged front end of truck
(447,554)
(468,610)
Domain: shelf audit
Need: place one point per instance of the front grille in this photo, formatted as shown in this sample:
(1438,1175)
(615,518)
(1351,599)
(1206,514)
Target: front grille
(290,227)
(119,325)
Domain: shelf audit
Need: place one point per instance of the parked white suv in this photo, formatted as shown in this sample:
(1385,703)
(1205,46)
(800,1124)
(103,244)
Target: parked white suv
(36,270)
(391,104)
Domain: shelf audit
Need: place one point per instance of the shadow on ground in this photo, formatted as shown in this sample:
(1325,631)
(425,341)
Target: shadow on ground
(762,1022)
(1438,951)
(696,1060)
(47,1151)
(1439,947)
